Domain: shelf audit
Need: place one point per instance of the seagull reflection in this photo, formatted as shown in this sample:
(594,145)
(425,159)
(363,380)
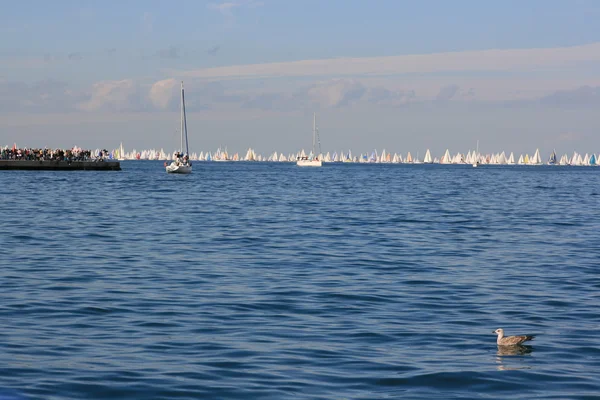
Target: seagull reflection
(513,350)
(505,352)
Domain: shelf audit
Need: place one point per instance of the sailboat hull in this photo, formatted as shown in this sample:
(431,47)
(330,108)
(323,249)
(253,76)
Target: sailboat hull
(309,163)
(173,168)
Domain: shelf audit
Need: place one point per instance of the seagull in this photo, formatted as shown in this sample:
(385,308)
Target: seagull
(511,340)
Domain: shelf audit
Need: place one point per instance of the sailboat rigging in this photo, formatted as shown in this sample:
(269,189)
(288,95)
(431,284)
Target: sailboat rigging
(476,161)
(312,160)
(181,164)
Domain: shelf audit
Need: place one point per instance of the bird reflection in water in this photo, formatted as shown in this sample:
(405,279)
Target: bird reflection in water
(504,352)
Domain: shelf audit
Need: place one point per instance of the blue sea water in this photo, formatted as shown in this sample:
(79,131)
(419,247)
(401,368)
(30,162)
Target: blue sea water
(269,281)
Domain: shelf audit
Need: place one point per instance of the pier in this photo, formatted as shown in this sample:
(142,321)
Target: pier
(56,165)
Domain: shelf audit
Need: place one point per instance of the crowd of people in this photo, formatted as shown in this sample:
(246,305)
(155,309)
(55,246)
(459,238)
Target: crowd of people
(45,154)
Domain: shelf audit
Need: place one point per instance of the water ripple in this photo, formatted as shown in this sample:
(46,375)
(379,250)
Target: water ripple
(248,280)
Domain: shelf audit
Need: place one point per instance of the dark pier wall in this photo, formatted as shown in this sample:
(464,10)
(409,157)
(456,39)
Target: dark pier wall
(60,165)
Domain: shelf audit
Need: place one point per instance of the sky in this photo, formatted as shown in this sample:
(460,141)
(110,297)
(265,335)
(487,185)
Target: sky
(387,74)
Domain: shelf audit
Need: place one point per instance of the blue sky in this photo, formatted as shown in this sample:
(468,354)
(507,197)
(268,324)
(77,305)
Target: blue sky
(514,74)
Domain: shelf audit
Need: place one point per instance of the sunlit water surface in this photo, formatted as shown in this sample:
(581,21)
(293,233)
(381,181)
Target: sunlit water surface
(248,280)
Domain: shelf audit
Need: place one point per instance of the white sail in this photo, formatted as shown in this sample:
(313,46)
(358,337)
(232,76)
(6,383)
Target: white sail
(501,159)
(446,159)
(511,159)
(564,160)
(586,160)
(427,159)
(573,160)
(121,152)
(417,160)
(536,159)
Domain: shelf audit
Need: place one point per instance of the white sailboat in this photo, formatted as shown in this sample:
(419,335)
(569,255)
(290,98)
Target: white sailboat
(428,159)
(476,157)
(446,159)
(181,164)
(312,160)
(416,160)
(536,160)
(511,159)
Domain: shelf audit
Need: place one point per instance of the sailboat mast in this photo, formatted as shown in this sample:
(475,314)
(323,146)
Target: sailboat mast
(314,132)
(184,123)
(181,119)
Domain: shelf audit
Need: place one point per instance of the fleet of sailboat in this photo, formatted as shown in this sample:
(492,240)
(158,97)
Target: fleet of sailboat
(469,158)
(181,161)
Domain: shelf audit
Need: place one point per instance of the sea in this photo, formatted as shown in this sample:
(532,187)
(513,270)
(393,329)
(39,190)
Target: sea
(269,281)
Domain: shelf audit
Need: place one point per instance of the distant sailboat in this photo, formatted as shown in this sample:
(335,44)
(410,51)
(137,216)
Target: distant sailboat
(416,160)
(250,156)
(501,159)
(574,159)
(552,159)
(312,160)
(121,152)
(511,159)
(586,159)
(536,160)
(383,157)
(428,159)
(446,159)
(476,157)
(564,160)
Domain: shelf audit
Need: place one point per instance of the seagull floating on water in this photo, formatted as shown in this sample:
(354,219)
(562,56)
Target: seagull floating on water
(511,340)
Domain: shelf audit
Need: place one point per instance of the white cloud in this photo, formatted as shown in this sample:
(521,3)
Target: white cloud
(112,95)
(511,60)
(42,96)
(582,96)
(382,96)
(336,92)
(447,93)
(163,92)
(223,8)
(227,6)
